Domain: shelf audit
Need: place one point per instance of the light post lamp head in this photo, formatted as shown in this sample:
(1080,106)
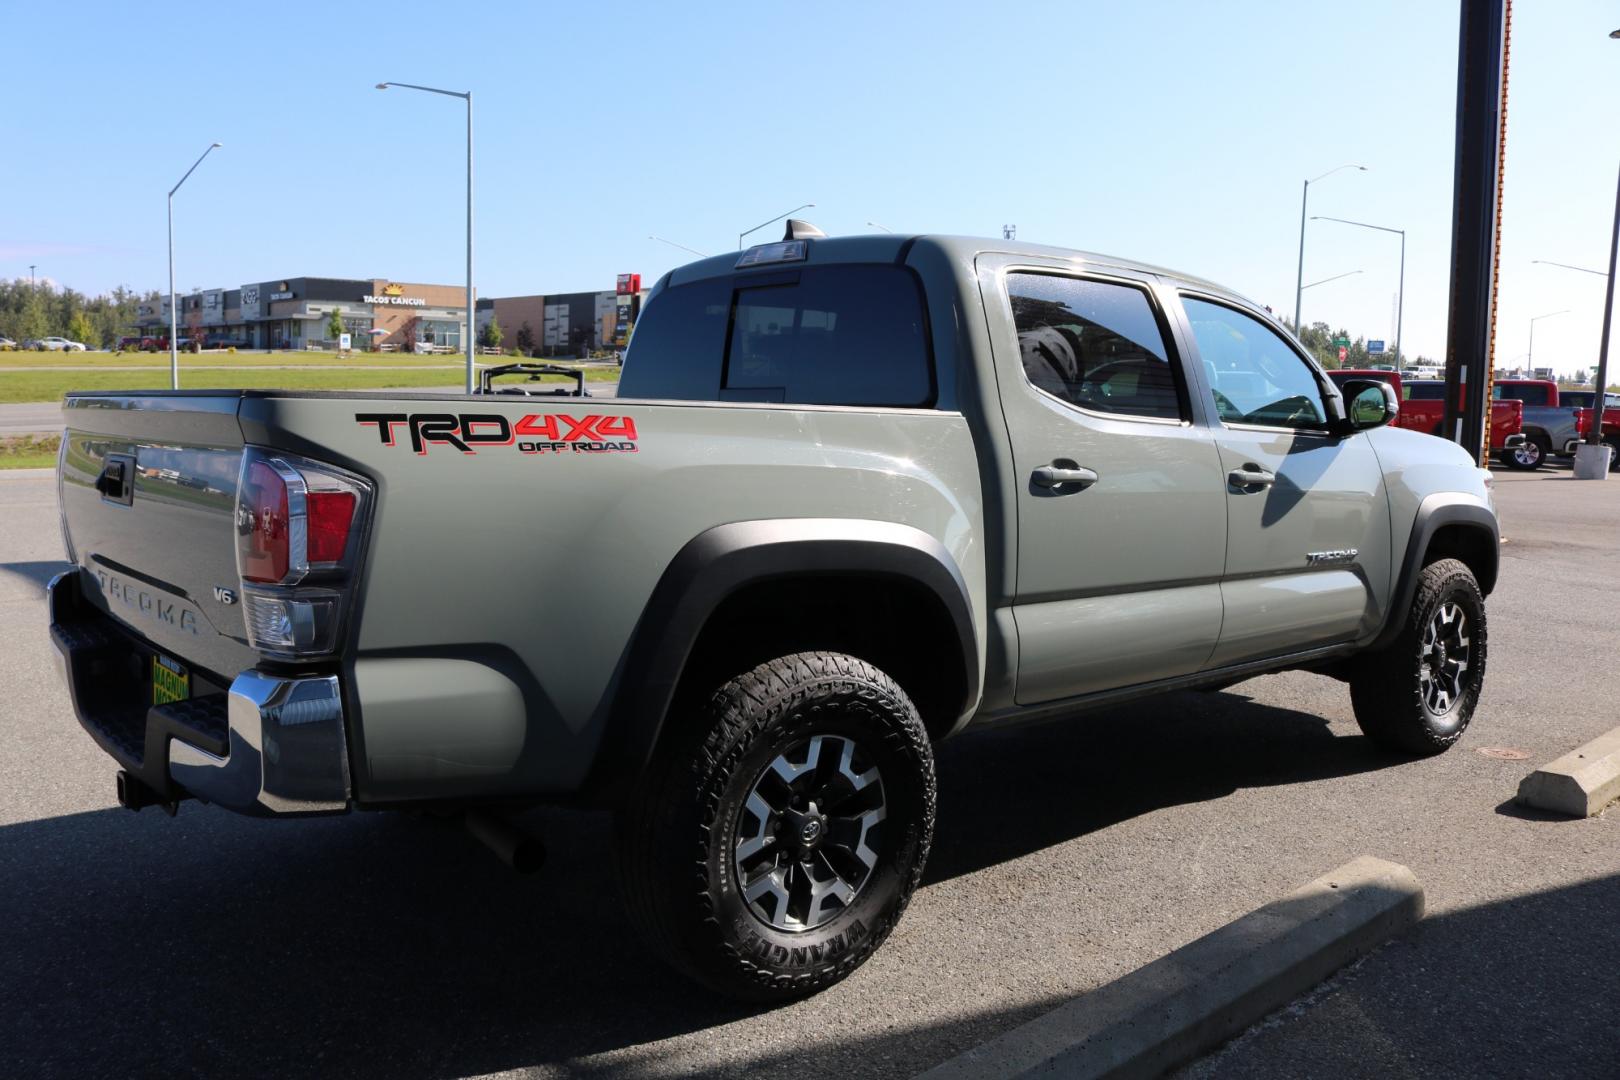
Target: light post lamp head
(382,86)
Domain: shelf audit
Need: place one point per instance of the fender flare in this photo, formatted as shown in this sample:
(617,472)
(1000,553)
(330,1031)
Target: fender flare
(719,562)
(1435,512)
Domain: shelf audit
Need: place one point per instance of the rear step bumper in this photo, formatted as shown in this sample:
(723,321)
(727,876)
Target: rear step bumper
(269,745)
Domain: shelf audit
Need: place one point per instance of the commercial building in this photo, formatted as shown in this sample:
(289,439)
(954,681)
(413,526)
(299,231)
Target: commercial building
(566,324)
(295,313)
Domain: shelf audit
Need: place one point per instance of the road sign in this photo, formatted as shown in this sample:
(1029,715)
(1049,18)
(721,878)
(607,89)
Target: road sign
(1375,347)
(1342,342)
(1344,354)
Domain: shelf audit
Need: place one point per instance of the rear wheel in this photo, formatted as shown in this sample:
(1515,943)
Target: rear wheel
(1531,454)
(777,841)
(1418,695)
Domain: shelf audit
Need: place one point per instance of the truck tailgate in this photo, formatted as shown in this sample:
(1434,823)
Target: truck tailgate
(148,495)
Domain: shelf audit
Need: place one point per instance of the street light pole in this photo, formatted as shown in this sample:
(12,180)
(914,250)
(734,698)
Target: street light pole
(1335,277)
(467,327)
(773,221)
(1400,303)
(1601,387)
(1304,197)
(683,247)
(1567,266)
(174,307)
(1531,355)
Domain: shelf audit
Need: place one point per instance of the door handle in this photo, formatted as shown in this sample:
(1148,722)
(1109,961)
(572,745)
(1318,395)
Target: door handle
(1253,476)
(1064,474)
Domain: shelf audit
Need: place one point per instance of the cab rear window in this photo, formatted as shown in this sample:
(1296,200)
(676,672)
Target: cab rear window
(832,335)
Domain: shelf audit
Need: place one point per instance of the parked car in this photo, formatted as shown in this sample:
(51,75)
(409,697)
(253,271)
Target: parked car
(55,344)
(857,495)
(6,344)
(1423,409)
(143,343)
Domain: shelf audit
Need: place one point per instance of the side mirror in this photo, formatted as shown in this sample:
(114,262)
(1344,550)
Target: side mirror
(1368,403)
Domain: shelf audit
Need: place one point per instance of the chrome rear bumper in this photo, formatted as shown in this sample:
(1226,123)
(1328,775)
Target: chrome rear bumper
(269,745)
(287,752)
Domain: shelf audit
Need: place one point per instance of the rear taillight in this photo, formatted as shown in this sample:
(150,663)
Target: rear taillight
(298,525)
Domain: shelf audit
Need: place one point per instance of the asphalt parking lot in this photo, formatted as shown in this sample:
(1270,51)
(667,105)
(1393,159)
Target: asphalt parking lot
(1066,855)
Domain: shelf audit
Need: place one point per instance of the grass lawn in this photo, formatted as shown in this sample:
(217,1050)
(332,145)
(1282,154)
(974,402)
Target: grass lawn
(29,358)
(28,451)
(21,386)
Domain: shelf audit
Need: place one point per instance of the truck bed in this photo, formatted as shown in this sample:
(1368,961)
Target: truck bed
(513,545)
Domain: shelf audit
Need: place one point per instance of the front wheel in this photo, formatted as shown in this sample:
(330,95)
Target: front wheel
(778,840)
(1418,695)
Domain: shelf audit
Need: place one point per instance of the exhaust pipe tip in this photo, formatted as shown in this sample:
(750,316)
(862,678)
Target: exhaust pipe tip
(520,850)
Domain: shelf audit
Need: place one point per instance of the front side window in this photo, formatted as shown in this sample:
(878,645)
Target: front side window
(1254,376)
(1094,344)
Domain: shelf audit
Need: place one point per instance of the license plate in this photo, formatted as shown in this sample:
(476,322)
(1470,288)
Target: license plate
(170,681)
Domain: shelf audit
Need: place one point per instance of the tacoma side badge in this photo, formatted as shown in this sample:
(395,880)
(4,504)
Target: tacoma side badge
(224,595)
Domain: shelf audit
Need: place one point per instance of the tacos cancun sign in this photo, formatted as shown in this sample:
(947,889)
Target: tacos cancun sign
(397,301)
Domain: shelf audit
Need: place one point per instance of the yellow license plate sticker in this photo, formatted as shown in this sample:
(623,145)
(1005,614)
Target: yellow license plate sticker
(170,681)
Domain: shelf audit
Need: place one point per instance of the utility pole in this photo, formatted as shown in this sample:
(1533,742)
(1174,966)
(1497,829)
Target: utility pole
(1482,56)
(1601,386)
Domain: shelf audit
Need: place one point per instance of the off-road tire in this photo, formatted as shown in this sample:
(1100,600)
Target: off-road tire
(677,833)
(1392,702)
(1528,457)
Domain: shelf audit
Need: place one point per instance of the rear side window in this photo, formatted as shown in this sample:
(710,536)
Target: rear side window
(1529,393)
(1424,391)
(675,350)
(1094,344)
(834,335)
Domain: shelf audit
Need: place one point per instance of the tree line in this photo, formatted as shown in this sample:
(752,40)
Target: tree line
(1318,337)
(29,311)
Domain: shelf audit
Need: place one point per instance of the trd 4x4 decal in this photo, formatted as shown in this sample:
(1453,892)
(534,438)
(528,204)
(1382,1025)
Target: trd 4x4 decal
(537,433)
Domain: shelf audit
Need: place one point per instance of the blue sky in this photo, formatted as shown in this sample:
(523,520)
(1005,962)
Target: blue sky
(1178,133)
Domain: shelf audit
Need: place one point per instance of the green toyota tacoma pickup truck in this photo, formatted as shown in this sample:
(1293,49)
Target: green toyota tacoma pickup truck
(855,495)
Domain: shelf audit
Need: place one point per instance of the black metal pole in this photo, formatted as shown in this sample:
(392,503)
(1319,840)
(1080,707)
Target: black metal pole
(1602,384)
(1480,66)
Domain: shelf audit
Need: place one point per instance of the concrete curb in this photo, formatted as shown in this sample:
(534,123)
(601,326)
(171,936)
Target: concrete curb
(1580,783)
(1181,1005)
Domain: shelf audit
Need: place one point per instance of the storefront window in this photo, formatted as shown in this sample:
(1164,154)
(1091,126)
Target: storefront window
(441,333)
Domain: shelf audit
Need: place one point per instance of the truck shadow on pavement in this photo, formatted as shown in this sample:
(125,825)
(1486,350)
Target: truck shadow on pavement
(1517,987)
(1004,794)
(393,945)
(38,574)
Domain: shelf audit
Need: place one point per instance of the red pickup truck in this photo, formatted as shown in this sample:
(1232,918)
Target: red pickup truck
(1423,408)
(1611,431)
